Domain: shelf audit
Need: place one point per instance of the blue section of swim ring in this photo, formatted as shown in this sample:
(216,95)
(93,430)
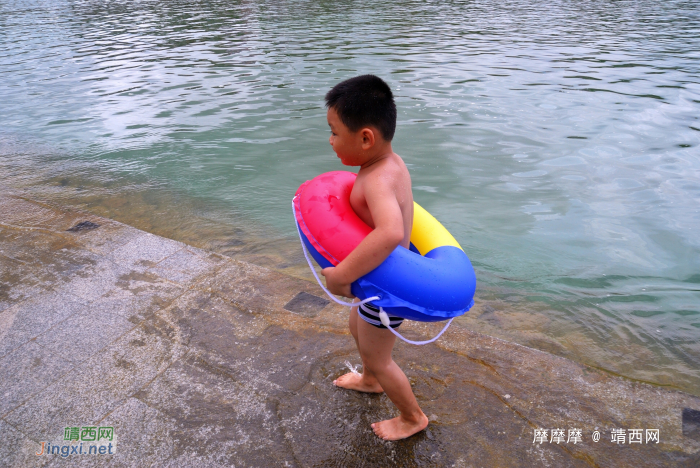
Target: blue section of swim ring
(430,288)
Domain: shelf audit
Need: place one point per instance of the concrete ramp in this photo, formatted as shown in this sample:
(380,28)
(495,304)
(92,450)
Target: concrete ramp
(195,359)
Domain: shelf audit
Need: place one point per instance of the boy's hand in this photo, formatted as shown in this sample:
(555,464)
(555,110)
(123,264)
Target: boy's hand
(335,284)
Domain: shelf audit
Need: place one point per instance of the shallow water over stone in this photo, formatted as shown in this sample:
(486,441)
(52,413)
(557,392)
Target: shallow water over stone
(557,141)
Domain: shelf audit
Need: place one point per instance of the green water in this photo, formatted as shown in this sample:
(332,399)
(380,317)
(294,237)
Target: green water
(557,140)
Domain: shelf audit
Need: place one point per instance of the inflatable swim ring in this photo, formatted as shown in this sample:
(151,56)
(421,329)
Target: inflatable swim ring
(432,281)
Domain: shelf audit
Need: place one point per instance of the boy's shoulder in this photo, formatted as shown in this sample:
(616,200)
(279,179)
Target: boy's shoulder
(392,166)
(383,179)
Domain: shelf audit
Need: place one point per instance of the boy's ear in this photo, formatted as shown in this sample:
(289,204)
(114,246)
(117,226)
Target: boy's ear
(368,138)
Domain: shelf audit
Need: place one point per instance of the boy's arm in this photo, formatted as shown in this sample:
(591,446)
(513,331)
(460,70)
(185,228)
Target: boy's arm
(379,243)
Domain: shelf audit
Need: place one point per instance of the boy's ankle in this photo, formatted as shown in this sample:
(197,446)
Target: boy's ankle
(415,417)
(369,380)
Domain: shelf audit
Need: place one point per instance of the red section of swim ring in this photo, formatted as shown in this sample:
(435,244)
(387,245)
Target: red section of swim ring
(326,217)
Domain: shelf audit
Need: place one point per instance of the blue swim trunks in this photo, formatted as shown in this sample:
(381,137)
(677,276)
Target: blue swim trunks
(370,314)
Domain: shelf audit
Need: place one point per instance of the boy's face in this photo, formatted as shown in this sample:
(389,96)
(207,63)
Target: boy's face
(348,145)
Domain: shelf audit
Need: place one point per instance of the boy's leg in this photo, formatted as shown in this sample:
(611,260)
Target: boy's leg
(375,348)
(352,322)
(365,382)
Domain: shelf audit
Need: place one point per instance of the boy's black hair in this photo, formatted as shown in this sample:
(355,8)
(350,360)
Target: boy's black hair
(364,100)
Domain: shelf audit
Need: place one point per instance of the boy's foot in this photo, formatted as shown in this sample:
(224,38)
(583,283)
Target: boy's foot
(353,381)
(399,428)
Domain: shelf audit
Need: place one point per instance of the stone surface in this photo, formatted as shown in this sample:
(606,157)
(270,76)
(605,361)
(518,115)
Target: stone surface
(97,386)
(186,265)
(137,296)
(199,360)
(229,420)
(18,450)
(107,238)
(30,318)
(84,334)
(147,432)
(306,304)
(26,371)
(144,251)
(95,280)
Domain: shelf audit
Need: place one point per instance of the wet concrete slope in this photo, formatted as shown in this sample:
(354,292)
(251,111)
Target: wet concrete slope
(195,359)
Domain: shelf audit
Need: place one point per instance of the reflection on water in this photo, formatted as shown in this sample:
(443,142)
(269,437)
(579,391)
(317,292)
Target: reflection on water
(558,141)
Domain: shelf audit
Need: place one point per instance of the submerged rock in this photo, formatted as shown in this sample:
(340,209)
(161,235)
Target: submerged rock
(83,226)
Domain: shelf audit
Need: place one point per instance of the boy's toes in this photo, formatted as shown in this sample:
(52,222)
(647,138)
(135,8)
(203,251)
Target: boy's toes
(377,428)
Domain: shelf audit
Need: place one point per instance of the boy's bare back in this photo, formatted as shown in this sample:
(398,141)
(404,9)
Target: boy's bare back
(387,178)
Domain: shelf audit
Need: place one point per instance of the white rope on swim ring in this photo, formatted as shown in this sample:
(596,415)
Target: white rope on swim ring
(386,322)
(382,315)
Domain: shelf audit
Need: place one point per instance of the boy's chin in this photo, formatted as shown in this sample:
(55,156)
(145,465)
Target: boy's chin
(345,162)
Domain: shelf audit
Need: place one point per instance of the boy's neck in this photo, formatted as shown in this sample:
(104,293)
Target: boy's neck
(380,153)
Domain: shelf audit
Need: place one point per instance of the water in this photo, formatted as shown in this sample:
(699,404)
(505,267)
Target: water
(558,141)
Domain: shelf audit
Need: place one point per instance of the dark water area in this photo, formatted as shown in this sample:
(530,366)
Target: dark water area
(557,141)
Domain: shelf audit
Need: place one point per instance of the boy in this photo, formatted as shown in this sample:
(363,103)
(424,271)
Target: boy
(362,117)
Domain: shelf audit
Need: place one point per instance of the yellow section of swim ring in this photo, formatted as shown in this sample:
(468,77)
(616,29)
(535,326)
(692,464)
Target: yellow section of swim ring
(427,232)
